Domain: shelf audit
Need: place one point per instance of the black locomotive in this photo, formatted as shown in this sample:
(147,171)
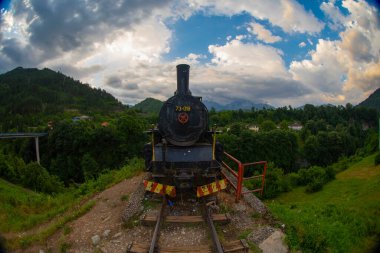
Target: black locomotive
(183,152)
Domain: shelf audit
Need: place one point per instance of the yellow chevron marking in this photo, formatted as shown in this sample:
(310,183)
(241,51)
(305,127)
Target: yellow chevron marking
(204,189)
(158,188)
(149,186)
(223,184)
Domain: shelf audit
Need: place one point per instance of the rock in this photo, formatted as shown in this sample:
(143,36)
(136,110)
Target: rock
(95,240)
(134,205)
(260,234)
(117,235)
(274,243)
(106,233)
(240,207)
(41,251)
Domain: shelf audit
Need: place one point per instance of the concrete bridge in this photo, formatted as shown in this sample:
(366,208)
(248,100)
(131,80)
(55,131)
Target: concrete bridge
(26,135)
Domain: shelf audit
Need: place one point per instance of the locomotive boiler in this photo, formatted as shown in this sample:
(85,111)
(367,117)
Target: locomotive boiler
(183,155)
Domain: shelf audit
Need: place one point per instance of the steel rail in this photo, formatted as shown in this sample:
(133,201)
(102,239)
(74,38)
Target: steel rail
(157,228)
(217,245)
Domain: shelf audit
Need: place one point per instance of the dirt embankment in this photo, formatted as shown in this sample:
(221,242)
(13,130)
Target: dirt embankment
(102,229)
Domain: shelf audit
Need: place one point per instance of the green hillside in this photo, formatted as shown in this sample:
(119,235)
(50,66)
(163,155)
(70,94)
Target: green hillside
(343,217)
(373,101)
(28,93)
(149,105)
(23,210)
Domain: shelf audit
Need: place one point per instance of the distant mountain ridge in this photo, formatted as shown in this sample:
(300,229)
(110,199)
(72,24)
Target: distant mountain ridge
(236,105)
(373,101)
(27,91)
(152,105)
(149,105)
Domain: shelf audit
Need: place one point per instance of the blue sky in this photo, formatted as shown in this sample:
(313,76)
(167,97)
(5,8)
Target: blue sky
(281,52)
(4,4)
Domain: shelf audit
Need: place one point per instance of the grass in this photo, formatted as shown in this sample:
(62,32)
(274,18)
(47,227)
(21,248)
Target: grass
(124,198)
(22,209)
(343,217)
(27,240)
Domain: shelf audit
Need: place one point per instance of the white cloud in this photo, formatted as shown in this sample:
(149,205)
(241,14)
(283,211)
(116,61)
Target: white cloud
(237,56)
(345,70)
(287,14)
(302,44)
(257,72)
(120,48)
(262,33)
(324,71)
(194,58)
(334,14)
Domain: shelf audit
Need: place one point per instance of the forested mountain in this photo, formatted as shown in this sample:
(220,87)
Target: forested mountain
(26,91)
(32,93)
(152,105)
(149,105)
(373,101)
(236,105)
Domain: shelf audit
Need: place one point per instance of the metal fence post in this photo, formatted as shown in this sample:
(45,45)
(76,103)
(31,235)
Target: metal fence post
(239,181)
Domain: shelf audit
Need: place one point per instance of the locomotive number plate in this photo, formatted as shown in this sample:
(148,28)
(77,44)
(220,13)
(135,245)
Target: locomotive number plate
(184,108)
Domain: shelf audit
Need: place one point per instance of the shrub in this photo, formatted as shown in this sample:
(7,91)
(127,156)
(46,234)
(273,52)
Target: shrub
(6,171)
(10,168)
(294,179)
(330,173)
(275,182)
(104,180)
(315,185)
(315,177)
(36,177)
(310,174)
(377,159)
(341,165)
(90,167)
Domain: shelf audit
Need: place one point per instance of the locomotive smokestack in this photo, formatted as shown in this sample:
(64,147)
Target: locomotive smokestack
(183,80)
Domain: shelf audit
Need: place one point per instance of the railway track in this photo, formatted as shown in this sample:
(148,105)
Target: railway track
(207,217)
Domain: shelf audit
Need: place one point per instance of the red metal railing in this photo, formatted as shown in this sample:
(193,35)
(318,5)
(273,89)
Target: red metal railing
(238,173)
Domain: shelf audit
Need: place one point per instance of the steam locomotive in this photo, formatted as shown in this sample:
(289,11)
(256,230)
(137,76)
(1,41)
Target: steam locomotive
(183,153)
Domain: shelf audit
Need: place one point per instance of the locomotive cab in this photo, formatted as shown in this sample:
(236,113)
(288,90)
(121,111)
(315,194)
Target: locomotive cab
(183,152)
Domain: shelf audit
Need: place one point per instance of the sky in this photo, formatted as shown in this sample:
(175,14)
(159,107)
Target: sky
(279,52)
